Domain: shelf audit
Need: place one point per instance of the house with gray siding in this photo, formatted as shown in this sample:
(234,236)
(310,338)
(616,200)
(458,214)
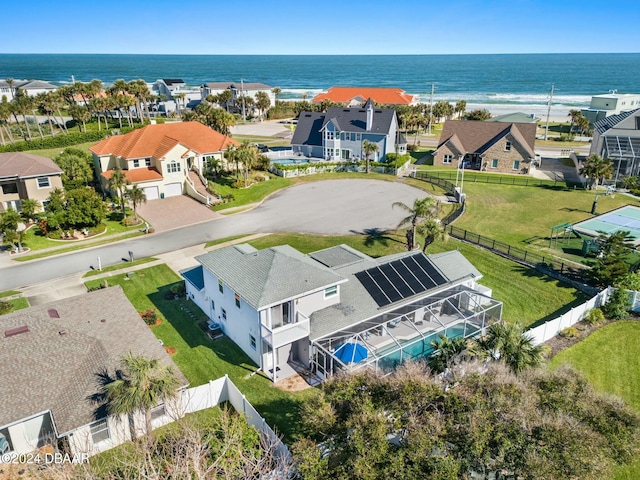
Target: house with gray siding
(292,312)
(338,134)
(618,138)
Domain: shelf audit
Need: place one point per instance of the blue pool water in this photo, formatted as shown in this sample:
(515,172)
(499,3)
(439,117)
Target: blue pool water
(290,161)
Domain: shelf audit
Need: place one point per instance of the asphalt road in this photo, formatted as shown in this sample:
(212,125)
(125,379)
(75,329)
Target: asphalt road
(331,207)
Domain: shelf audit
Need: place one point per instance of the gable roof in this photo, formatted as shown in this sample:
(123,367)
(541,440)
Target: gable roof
(157,140)
(477,136)
(135,175)
(269,276)
(23,165)
(308,128)
(237,86)
(385,96)
(355,119)
(53,365)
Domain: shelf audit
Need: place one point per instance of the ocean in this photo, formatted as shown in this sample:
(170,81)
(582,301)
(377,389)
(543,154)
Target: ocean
(498,82)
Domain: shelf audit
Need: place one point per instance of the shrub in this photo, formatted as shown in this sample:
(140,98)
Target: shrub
(5,307)
(617,306)
(129,221)
(570,332)
(149,316)
(595,317)
(179,289)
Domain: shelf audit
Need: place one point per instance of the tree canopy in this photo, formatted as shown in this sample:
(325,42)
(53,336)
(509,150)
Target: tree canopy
(77,167)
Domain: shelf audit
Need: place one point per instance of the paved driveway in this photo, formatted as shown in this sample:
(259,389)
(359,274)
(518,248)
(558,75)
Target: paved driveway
(167,213)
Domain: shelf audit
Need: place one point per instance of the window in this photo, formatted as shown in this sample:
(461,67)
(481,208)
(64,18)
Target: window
(252,341)
(343,135)
(358,137)
(158,412)
(329,152)
(213,306)
(224,313)
(516,164)
(507,146)
(220,286)
(147,162)
(44,182)
(8,188)
(100,431)
(494,163)
(237,300)
(329,135)
(331,291)
(346,154)
(447,159)
(173,167)
(136,163)
(285,313)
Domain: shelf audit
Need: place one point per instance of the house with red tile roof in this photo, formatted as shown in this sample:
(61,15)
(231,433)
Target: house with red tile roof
(487,146)
(163,160)
(356,96)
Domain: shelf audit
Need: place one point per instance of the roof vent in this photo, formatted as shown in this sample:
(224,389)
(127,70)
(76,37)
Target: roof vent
(53,313)
(62,332)
(16,331)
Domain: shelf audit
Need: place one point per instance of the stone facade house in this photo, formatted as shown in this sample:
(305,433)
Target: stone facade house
(488,146)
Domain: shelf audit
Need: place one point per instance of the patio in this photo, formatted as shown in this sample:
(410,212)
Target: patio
(406,332)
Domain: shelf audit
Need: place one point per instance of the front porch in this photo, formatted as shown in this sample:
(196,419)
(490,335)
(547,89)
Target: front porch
(406,332)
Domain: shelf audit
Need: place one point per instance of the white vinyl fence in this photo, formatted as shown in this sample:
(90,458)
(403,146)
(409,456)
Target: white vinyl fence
(550,329)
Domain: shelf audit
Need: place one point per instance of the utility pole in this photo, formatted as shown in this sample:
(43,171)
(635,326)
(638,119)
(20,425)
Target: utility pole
(546,130)
(244,115)
(431,108)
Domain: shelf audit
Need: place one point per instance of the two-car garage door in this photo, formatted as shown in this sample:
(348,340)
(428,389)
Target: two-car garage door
(170,190)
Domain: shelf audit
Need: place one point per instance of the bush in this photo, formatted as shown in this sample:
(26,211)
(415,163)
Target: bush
(618,305)
(129,221)
(570,332)
(149,316)
(179,289)
(595,317)
(5,307)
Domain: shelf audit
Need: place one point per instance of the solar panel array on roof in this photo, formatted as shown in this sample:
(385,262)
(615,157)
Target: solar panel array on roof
(400,279)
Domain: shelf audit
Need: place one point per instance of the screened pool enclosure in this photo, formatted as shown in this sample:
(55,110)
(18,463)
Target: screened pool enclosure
(406,332)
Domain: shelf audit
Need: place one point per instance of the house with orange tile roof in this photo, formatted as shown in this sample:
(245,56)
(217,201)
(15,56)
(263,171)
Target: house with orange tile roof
(356,96)
(163,160)
(487,146)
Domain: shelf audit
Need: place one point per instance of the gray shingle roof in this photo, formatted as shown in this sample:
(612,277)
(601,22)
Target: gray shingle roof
(18,164)
(308,129)
(356,305)
(53,366)
(195,276)
(269,276)
(477,136)
(338,256)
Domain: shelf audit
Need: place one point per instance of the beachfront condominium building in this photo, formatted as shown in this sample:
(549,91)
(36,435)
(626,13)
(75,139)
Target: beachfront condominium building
(487,146)
(25,176)
(608,104)
(338,309)
(163,160)
(618,138)
(339,134)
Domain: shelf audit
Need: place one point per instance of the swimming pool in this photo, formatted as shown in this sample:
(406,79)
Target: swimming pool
(290,161)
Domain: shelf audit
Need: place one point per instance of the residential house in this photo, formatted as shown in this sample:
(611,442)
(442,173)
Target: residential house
(163,160)
(238,90)
(618,137)
(31,87)
(337,308)
(338,134)
(53,357)
(487,146)
(608,104)
(176,94)
(26,176)
(356,96)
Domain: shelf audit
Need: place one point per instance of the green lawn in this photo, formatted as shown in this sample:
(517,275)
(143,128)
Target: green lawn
(213,243)
(53,152)
(9,293)
(119,266)
(201,359)
(609,359)
(528,296)
(268,141)
(19,303)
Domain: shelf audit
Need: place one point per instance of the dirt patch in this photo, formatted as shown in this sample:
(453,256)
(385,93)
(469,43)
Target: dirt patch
(295,383)
(170,350)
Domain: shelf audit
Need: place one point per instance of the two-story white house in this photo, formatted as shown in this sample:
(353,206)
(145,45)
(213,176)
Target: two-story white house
(338,134)
(159,158)
(608,104)
(337,308)
(238,90)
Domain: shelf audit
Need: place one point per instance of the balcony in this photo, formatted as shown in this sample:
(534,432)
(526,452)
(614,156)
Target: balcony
(286,334)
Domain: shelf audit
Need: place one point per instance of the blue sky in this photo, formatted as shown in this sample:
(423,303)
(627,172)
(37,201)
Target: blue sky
(328,27)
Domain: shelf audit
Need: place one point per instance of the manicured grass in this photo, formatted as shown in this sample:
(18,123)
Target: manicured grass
(19,303)
(213,243)
(201,359)
(627,472)
(9,293)
(529,297)
(254,193)
(268,141)
(54,152)
(609,359)
(113,268)
(426,186)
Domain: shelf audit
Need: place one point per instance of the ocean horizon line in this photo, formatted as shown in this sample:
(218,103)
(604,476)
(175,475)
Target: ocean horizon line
(320,54)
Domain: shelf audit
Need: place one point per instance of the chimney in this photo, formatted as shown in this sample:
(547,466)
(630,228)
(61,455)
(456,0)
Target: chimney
(369,108)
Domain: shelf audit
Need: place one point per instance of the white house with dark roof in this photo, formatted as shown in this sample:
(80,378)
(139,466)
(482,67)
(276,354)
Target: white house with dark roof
(30,87)
(618,138)
(299,312)
(338,134)
(52,356)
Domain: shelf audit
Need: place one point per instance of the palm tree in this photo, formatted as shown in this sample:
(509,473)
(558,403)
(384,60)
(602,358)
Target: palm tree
(140,385)
(181,97)
(29,208)
(5,114)
(508,343)
(45,108)
(597,169)
(137,197)
(461,107)
(276,91)
(574,114)
(368,148)
(423,209)
(118,182)
(446,353)
(432,230)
